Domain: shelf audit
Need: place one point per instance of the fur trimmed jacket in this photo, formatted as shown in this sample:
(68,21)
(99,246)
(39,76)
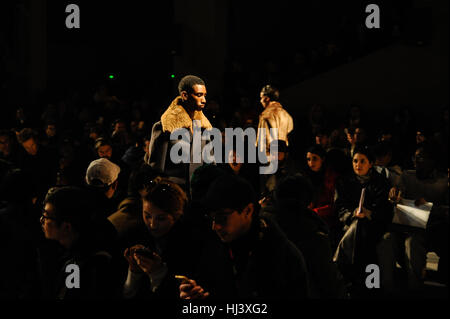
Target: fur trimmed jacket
(274,116)
(158,157)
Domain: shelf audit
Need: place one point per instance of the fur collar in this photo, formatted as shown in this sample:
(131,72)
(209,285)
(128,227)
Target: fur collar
(272,108)
(176,117)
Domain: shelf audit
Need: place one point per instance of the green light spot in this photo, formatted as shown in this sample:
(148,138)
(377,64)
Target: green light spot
(173,76)
(111,76)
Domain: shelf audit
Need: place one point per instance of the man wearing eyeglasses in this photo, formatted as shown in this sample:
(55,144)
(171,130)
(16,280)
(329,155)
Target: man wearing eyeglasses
(181,113)
(252,258)
(66,219)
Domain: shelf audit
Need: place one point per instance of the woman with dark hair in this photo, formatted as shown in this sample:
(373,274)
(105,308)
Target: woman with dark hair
(365,212)
(323,180)
(163,247)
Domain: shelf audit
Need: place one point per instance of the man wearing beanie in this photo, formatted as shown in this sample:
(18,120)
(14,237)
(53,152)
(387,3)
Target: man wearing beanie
(251,257)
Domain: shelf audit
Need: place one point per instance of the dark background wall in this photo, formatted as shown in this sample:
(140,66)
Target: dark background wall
(237,46)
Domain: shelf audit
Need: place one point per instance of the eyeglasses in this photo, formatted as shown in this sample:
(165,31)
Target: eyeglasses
(220,217)
(44,217)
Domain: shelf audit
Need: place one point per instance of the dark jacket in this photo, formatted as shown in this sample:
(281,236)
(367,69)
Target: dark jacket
(358,245)
(263,264)
(98,273)
(179,250)
(310,234)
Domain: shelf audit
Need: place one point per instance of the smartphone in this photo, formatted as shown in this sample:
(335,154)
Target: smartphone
(145,252)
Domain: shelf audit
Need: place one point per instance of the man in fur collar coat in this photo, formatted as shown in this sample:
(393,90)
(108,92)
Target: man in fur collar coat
(181,113)
(273,116)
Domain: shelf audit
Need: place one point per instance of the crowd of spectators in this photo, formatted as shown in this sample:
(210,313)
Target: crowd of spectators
(75,187)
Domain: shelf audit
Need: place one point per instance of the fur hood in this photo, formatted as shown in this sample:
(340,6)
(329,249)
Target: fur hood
(176,117)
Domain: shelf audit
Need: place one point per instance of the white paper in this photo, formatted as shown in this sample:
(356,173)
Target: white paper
(409,214)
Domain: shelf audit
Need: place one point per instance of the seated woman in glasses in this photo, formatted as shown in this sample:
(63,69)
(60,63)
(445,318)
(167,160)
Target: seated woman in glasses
(365,223)
(164,247)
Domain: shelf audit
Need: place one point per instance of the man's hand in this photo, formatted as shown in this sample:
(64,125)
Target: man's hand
(191,291)
(420,201)
(395,195)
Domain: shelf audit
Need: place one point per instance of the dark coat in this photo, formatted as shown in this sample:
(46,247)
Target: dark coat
(358,245)
(263,264)
(179,250)
(99,277)
(310,234)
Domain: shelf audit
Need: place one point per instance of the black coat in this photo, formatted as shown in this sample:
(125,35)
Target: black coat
(179,250)
(310,235)
(365,232)
(263,264)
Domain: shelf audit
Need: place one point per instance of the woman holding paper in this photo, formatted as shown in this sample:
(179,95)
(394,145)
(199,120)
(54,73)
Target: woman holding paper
(364,211)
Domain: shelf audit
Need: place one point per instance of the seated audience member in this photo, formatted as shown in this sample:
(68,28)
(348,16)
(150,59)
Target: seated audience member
(239,165)
(323,138)
(66,219)
(383,163)
(134,155)
(37,161)
(164,247)
(251,257)
(17,236)
(8,147)
(104,149)
(422,185)
(286,167)
(102,181)
(364,223)
(309,233)
(128,217)
(323,181)
(355,136)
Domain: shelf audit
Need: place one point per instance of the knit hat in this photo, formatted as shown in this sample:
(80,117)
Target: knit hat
(102,172)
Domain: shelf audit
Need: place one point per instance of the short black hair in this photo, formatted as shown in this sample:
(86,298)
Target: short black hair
(271,92)
(229,191)
(318,150)
(187,83)
(70,205)
(365,150)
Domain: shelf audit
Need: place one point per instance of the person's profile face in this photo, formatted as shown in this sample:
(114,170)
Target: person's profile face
(49,223)
(105,151)
(314,161)
(50,130)
(30,146)
(264,100)
(361,164)
(229,224)
(4,144)
(158,222)
(196,99)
